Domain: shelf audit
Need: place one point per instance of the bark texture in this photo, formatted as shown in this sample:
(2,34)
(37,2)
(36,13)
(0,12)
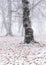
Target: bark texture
(26,22)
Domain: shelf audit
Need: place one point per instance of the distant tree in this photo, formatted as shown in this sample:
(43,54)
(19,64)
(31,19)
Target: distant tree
(27,23)
(7,24)
(3,15)
(9,18)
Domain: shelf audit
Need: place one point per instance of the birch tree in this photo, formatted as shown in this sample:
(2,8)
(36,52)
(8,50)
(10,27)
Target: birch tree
(26,22)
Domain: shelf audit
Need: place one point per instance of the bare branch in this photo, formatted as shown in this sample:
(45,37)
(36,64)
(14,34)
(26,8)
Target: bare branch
(36,4)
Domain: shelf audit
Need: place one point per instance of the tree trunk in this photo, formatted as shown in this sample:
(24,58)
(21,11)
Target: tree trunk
(9,18)
(26,22)
(3,16)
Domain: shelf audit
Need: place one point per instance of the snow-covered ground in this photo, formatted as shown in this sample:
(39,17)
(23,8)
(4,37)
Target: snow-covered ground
(14,52)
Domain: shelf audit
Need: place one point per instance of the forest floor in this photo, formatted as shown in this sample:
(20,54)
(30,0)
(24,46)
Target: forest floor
(14,52)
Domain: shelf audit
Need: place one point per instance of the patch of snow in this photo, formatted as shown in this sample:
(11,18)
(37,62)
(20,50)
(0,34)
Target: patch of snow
(14,53)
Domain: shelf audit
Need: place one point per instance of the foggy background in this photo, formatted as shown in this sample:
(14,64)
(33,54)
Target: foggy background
(37,17)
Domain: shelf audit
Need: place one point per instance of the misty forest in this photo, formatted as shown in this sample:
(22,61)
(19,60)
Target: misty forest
(23,17)
(22,32)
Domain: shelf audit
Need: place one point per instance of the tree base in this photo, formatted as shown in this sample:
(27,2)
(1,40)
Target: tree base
(32,41)
(28,35)
(9,34)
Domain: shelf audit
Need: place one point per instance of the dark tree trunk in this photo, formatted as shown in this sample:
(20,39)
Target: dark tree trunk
(27,23)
